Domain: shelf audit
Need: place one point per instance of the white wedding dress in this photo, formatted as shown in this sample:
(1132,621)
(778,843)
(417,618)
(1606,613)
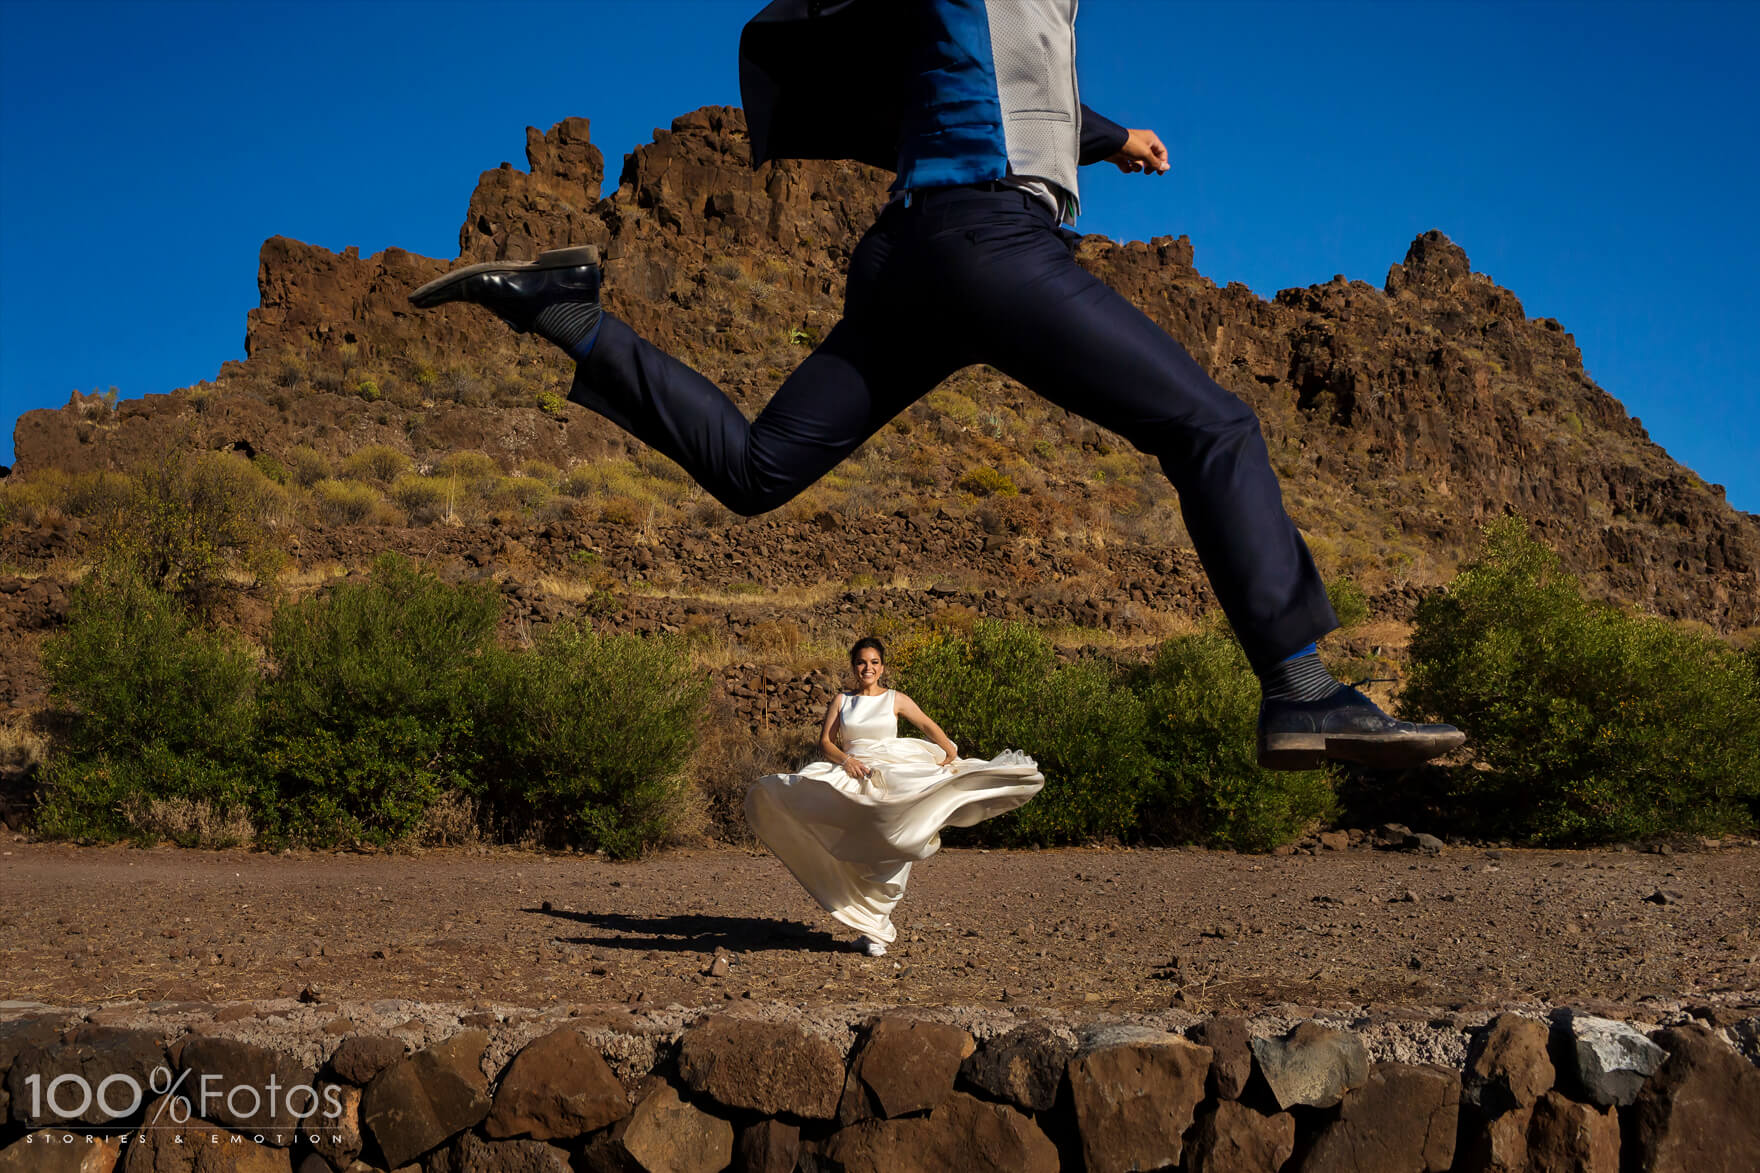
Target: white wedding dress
(851,843)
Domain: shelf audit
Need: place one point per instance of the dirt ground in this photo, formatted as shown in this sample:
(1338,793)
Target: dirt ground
(1116,930)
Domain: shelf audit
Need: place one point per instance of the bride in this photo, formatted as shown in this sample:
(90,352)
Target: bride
(850,827)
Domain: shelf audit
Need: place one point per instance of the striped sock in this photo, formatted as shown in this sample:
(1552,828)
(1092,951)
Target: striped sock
(572,325)
(1302,677)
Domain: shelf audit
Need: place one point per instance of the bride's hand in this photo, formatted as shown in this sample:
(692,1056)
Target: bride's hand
(948,754)
(854,768)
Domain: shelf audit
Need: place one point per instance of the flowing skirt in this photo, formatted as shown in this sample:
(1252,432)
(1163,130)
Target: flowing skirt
(851,843)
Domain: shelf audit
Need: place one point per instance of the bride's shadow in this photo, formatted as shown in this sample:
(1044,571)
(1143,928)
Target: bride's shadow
(694,933)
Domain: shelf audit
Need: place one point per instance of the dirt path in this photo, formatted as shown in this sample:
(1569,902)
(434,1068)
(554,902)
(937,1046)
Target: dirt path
(1094,929)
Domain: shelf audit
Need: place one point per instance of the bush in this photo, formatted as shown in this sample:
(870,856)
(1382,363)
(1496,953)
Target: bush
(345,502)
(518,492)
(998,687)
(99,494)
(416,494)
(271,468)
(1588,723)
(1348,601)
(196,524)
(1165,752)
(307,466)
(1203,711)
(469,467)
(388,712)
(151,794)
(986,482)
(593,733)
(379,463)
(368,719)
(135,670)
(161,709)
(579,481)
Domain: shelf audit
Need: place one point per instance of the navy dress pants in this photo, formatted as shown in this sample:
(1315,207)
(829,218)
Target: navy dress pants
(970,275)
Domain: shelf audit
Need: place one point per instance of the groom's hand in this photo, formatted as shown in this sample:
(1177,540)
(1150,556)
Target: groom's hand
(1142,151)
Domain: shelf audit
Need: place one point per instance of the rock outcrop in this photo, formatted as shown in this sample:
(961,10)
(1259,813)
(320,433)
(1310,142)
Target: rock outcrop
(1400,418)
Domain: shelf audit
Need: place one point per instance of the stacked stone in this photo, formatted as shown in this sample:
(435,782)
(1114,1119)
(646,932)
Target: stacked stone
(1578,1093)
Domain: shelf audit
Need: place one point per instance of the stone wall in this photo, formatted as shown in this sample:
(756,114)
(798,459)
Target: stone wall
(771,1091)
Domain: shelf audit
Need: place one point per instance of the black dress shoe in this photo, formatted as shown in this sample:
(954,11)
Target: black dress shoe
(1345,727)
(518,291)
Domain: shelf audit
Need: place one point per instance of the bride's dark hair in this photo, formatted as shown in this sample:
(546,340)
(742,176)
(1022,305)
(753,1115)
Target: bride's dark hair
(868,642)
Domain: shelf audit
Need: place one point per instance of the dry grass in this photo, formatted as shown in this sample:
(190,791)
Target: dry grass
(453,820)
(22,748)
(1388,633)
(1163,626)
(312,575)
(730,757)
(569,590)
(791,597)
(190,823)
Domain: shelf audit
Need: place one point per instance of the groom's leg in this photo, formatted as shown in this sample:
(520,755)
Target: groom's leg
(840,395)
(1067,335)
(876,362)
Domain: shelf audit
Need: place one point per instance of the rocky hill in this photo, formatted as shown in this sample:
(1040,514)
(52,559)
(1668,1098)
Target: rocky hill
(1401,419)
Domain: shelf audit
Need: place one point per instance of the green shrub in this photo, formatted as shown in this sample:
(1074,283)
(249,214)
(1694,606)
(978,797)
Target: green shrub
(271,468)
(307,465)
(196,525)
(99,494)
(373,782)
(540,471)
(1348,601)
(150,794)
(998,687)
(1588,723)
(593,734)
(345,502)
(579,481)
(384,701)
(551,403)
(417,494)
(469,467)
(518,492)
(135,669)
(367,720)
(987,482)
(379,463)
(161,709)
(1203,710)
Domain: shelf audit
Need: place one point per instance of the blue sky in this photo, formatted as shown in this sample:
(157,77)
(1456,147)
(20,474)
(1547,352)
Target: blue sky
(1597,159)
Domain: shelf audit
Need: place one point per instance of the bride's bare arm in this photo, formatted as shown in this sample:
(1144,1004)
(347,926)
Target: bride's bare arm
(907,708)
(828,740)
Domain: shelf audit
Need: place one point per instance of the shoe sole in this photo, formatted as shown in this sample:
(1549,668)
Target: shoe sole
(557,258)
(1310,751)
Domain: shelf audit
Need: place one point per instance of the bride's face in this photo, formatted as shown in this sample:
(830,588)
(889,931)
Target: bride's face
(867,667)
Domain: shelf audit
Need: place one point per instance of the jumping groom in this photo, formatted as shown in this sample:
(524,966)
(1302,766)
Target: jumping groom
(974,105)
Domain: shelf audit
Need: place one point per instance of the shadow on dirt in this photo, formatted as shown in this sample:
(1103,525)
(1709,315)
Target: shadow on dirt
(692,933)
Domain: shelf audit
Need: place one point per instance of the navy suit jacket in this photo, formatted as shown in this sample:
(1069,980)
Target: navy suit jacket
(824,79)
